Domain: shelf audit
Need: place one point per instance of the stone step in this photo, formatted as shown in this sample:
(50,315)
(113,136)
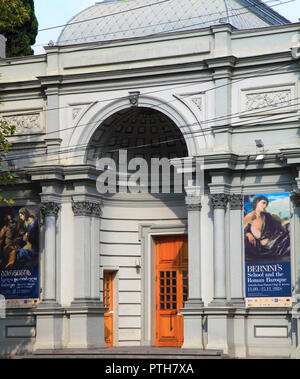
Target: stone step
(141,352)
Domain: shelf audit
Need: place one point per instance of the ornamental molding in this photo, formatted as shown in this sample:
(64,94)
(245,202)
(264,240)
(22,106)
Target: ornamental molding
(268,100)
(219,200)
(198,101)
(25,123)
(86,208)
(236,201)
(50,209)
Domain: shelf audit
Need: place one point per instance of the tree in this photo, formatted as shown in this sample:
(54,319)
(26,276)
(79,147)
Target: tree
(6,177)
(19,25)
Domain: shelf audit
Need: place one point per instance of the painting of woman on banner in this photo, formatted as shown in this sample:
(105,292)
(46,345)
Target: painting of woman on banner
(267,228)
(19,238)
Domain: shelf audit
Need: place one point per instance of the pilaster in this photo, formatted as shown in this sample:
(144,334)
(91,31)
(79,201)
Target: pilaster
(236,261)
(193,307)
(86,311)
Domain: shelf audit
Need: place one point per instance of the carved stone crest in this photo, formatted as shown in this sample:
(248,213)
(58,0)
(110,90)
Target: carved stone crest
(134,98)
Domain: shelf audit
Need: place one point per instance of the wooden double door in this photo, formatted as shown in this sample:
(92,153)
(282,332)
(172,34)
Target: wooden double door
(171,288)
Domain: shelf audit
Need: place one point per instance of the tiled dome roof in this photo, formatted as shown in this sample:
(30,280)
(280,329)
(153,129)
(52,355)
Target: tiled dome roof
(119,19)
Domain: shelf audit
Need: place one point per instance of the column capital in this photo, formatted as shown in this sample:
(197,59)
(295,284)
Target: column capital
(50,208)
(193,198)
(295,198)
(219,200)
(235,201)
(86,208)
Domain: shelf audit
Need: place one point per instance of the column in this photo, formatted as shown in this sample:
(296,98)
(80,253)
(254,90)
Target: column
(219,203)
(50,212)
(193,308)
(86,312)
(295,200)
(49,314)
(217,314)
(236,253)
(86,240)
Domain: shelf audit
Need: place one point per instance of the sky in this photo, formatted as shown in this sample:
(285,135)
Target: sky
(59,12)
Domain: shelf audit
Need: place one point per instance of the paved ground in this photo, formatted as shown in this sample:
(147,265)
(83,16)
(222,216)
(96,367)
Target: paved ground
(141,352)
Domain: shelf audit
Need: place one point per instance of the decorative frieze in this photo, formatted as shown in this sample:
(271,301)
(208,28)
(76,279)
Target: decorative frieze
(219,200)
(236,201)
(26,123)
(268,99)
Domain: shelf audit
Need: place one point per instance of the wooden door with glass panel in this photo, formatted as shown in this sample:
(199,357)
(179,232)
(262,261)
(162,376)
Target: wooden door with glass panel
(171,288)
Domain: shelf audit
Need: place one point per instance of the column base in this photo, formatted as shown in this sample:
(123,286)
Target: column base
(217,330)
(86,324)
(193,324)
(49,326)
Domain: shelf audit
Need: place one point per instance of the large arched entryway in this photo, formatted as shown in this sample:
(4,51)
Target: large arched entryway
(133,291)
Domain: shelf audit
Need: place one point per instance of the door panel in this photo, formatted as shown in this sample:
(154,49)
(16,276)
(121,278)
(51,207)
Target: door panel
(171,288)
(108,302)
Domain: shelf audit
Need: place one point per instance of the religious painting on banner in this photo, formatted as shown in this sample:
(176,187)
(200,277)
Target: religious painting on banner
(19,255)
(267,250)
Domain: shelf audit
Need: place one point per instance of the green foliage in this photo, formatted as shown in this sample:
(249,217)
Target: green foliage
(6,177)
(19,25)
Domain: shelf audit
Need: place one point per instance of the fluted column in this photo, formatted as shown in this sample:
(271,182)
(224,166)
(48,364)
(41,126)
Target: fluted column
(50,212)
(219,202)
(236,262)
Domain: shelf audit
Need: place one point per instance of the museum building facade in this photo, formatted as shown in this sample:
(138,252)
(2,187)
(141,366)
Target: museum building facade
(210,89)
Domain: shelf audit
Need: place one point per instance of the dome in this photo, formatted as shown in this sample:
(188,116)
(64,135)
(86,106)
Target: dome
(120,19)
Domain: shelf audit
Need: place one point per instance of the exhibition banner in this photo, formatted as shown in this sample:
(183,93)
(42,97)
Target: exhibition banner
(19,254)
(267,250)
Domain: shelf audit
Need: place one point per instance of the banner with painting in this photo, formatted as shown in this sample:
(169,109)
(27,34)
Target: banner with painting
(267,250)
(19,254)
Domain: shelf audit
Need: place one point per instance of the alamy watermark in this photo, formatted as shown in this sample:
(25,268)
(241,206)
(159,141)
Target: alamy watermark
(157,175)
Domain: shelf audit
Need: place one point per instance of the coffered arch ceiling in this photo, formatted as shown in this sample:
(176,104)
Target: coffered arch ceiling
(142,132)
